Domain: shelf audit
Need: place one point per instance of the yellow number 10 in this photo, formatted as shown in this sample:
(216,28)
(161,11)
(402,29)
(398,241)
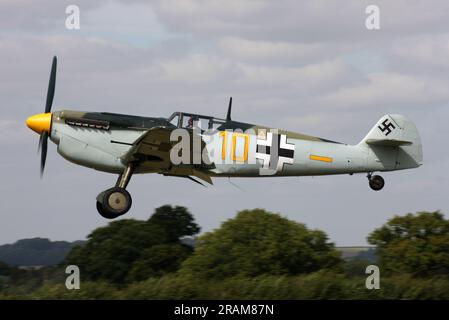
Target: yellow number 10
(235,135)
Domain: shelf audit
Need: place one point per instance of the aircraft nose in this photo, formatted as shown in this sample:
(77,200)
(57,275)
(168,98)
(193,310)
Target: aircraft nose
(40,122)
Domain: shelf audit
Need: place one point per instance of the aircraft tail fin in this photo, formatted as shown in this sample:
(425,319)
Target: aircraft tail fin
(395,137)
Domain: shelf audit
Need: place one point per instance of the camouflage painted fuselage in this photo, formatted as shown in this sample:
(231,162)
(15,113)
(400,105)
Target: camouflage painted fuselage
(108,142)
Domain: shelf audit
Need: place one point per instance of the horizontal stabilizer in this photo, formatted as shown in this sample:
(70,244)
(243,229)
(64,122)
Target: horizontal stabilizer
(388,142)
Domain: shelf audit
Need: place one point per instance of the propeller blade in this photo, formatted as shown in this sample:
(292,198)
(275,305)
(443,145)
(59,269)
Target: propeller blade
(41,137)
(43,143)
(51,86)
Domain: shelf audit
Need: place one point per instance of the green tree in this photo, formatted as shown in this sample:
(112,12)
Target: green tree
(177,222)
(112,251)
(159,260)
(5,269)
(415,243)
(259,242)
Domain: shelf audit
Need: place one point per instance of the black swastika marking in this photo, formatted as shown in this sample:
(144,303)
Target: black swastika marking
(386,127)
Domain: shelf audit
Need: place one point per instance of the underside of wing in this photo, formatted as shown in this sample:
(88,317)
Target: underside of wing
(151,153)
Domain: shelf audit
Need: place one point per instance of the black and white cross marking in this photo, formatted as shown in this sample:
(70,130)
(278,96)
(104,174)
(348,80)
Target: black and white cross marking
(274,151)
(387,127)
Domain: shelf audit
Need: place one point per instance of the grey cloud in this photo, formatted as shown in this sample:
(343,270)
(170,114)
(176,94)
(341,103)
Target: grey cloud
(289,20)
(287,64)
(18,17)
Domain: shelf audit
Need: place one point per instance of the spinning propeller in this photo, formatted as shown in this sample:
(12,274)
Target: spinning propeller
(41,123)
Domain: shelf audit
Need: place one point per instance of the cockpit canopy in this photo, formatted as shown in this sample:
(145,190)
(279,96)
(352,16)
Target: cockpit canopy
(190,120)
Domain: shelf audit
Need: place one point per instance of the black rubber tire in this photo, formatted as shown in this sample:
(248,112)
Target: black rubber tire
(105,214)
(114,202)
(376,183)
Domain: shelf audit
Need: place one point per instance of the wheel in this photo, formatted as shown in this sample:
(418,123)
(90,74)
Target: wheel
(113,202)
(105,214)
(376,183)
(116,200)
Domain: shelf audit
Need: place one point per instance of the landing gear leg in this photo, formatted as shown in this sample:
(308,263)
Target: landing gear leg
(375,182)
(116,201)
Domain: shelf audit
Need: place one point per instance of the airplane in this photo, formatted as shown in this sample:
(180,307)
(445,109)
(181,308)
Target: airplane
(125,145)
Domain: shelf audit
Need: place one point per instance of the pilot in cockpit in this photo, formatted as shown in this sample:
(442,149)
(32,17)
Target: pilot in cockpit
(190,123)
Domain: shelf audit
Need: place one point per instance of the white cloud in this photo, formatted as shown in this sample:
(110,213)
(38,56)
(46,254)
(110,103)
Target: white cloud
(28,16)
(310,77)
(388,91)
(287,64)
(277,53)
(423,53)
(194,69)
(310,20)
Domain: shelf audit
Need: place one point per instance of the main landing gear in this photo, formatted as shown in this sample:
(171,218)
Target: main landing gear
(375,182)
(116,201)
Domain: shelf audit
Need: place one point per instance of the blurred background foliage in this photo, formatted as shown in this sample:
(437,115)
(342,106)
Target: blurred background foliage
(256,255)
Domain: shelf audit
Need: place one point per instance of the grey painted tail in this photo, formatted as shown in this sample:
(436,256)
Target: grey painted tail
(395,142)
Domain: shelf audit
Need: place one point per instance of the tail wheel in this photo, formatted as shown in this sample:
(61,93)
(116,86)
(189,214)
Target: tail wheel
(376,182)
(114,202)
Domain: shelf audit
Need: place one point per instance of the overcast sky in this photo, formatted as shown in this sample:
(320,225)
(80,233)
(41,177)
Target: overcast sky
(305,66)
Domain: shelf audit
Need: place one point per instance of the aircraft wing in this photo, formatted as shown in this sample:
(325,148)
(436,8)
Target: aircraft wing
(151,152)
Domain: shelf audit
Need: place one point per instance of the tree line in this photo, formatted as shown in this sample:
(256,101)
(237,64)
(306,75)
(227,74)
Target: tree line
(256,255)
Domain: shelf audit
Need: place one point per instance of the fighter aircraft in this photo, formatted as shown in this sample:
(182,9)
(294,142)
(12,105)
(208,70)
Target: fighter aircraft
(126,145)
